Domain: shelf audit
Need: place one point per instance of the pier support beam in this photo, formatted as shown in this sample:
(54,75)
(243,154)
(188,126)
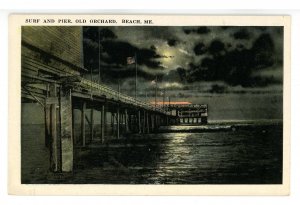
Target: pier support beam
(92,124)
(144,121)
(59,117)
(204,120)
(139,121)
(147,123)
(112,123)
(47,111)
(153,122)
(83,108)
(130,122)
(66,132)
(103,122)
(118,123)
(52,101)
(126,121)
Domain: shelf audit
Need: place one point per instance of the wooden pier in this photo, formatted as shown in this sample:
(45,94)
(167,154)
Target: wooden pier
(57,84)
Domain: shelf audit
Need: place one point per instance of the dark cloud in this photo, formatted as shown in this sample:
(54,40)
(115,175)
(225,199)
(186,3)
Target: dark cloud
(261,28)
(91,44)
(200,48)
(153,47)
(203,30)
(160,32)
(242,34)
(263,48)
(232,55)
(198,30)
(114,55)
(240,46)
(228,45)
(215,88)
(225,27)
(182,73)
(107,34)
(92,33)
(172,42)
(112,74)
(172,76)
(118,51)
(216,47)
(236,67)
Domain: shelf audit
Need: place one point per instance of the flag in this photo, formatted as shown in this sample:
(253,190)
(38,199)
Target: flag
(130,60)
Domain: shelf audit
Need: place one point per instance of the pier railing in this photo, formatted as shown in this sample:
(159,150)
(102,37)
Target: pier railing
(32,67)
(100,90)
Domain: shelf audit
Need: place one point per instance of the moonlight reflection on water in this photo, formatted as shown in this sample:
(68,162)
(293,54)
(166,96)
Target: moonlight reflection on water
(234,154)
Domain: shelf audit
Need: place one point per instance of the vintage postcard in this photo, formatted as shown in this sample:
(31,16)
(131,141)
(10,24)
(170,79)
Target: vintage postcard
(149,105)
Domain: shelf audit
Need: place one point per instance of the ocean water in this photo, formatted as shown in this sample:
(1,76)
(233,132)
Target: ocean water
(218,153)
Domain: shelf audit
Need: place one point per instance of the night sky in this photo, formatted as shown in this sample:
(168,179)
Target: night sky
(209,59)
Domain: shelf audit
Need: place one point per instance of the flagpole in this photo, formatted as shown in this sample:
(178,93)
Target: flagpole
(155,91)
(164,95)
(99,56)
(135,59)
(118,89)
(91,79)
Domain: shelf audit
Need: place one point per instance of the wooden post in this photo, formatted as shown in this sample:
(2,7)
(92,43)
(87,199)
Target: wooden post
(92,124)
(102,123)
(83,123)
(150,122)
(118,123)
(105,122)
(153,122)
(139,121)
(147,123)
(112,122)
(73,125)
(126,121)
(144,121)
(129,122)
(66,131)
(121,121)
(55,140)
(47,111)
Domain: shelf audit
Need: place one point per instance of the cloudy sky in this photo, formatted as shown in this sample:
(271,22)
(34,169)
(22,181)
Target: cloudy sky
(209,59)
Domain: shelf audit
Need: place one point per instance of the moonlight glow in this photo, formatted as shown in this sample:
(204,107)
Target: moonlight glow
(171,57)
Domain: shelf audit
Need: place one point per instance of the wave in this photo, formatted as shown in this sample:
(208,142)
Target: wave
(228,125)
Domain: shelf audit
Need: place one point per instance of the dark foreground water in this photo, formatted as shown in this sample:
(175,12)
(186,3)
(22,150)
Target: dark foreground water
(219,153)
